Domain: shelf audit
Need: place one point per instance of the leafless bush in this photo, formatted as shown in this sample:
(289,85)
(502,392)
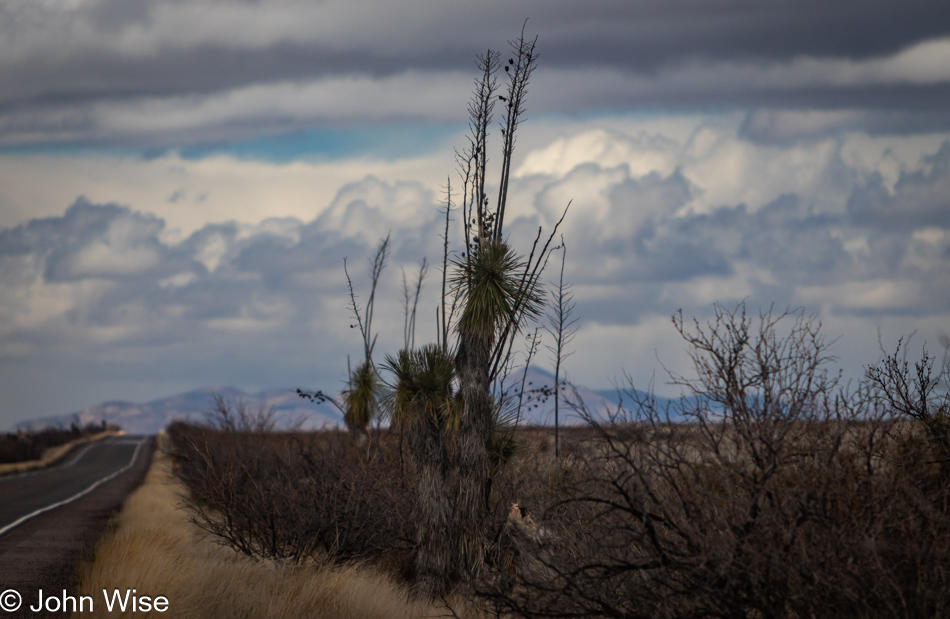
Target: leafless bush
(236,416)
(918,395)
(770,491)
(294,497)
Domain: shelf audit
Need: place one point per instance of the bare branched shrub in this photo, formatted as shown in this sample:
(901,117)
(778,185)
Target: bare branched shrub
(294,497)
(768,491)
(918,395)
(238,416)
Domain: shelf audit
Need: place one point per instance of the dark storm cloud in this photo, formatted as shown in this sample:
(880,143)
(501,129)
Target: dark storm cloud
(634,36)
(94,71)
(783,126)
(648,35)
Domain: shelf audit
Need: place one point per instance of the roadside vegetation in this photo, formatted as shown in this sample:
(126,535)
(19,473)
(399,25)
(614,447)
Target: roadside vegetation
(27,450)
(155,549)
(772,488)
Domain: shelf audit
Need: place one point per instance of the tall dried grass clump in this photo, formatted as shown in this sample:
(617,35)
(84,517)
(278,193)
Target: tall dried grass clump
(156,550)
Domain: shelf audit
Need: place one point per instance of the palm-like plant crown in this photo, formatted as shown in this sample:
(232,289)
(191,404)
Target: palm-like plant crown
(362,398)
(423,382)
(496,291)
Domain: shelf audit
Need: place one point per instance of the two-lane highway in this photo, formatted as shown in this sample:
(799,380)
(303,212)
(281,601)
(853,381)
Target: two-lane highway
(27,495)
(51,519)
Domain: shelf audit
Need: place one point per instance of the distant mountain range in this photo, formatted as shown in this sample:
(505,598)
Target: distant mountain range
(151,417)
(537,407)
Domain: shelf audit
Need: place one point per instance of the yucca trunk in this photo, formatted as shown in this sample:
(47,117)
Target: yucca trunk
(471,454)
(434,562)
(494,293)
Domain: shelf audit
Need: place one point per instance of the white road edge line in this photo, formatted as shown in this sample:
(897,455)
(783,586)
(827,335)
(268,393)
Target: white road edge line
(108,477)
(81,453)
(69,464)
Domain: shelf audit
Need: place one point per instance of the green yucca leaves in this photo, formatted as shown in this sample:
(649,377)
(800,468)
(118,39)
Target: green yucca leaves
(362,398)
(423,382)
(495,289)
(502,445)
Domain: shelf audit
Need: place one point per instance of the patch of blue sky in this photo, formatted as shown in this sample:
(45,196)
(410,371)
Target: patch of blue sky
(319,143)
(73,150)
(322,143)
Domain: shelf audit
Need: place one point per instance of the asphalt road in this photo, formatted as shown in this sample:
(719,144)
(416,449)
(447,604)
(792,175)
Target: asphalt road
(51,520)
(30,494)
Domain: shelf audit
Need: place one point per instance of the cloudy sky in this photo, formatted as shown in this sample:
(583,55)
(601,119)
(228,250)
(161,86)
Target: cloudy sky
(180,181)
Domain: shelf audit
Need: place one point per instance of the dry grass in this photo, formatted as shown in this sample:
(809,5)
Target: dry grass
(157,551)
(52,454)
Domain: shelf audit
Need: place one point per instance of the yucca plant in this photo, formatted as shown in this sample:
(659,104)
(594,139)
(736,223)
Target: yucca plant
(442,394)
(424,403)
(361,400)
(496,296)
(496,289)
(423,400)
